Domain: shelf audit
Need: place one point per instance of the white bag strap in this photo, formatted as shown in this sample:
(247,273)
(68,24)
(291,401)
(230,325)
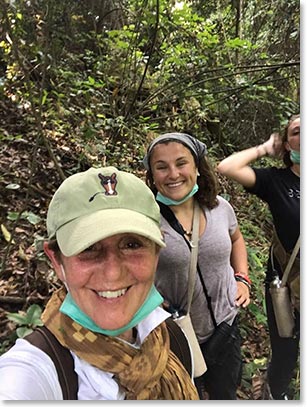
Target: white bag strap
(194,253)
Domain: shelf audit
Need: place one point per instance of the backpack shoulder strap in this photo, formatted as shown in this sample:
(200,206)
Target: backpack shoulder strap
(179,344)
(42,338)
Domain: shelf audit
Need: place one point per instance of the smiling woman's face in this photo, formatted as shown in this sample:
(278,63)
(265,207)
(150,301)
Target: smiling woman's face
(174,170)
(110,280)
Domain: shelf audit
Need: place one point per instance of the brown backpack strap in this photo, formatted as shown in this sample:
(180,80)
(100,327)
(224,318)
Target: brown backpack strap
(179,344)
(43,339)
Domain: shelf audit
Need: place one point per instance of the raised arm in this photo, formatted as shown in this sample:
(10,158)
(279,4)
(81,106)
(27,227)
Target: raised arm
(236,166)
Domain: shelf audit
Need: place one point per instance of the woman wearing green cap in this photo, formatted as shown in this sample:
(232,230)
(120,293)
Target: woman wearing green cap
(280,189)
(179,174)
(104,241)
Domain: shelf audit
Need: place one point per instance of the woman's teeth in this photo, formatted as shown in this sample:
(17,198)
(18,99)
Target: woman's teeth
(112,294)
(174,185)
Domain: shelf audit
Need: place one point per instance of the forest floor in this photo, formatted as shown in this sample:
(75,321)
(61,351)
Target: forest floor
(28,180)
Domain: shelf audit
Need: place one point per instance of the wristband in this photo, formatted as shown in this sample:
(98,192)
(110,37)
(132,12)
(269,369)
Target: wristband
(243,278)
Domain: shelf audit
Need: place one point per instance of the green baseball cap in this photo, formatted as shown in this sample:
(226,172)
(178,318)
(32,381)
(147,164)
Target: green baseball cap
(98,203)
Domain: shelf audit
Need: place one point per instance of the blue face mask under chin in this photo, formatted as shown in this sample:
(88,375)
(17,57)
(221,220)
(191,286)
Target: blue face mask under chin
(168,201)
(295,156)
(70,308)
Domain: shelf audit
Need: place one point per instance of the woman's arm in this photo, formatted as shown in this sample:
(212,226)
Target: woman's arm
(236,166)
(239,263)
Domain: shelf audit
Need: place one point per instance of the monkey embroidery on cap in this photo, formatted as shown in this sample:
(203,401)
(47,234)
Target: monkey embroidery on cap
(108,183)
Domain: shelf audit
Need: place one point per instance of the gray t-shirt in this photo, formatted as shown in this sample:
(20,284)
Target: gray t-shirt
(214,262)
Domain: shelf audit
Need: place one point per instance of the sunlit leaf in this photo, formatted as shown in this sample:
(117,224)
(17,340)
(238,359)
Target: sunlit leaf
(12,186)
(22,254)
(6,234)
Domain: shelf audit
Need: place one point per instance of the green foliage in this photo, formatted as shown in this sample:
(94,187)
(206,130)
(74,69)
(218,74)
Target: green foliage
(26,321)
(110,69)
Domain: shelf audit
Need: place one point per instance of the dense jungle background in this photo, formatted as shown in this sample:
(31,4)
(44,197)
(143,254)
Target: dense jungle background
(85,83)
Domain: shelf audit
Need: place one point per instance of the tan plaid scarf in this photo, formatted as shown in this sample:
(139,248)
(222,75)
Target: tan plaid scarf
(152,372)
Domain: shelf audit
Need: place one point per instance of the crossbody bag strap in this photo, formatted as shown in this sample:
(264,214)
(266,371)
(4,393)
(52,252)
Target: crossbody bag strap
(194,253)
(290,263)
(169,215)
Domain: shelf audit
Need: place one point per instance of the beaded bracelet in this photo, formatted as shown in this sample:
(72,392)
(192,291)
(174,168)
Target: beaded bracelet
(243,278)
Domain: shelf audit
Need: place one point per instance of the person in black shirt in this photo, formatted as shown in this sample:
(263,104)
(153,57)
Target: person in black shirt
(280,189)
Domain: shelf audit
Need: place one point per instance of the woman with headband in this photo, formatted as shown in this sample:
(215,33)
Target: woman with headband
(180,176)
